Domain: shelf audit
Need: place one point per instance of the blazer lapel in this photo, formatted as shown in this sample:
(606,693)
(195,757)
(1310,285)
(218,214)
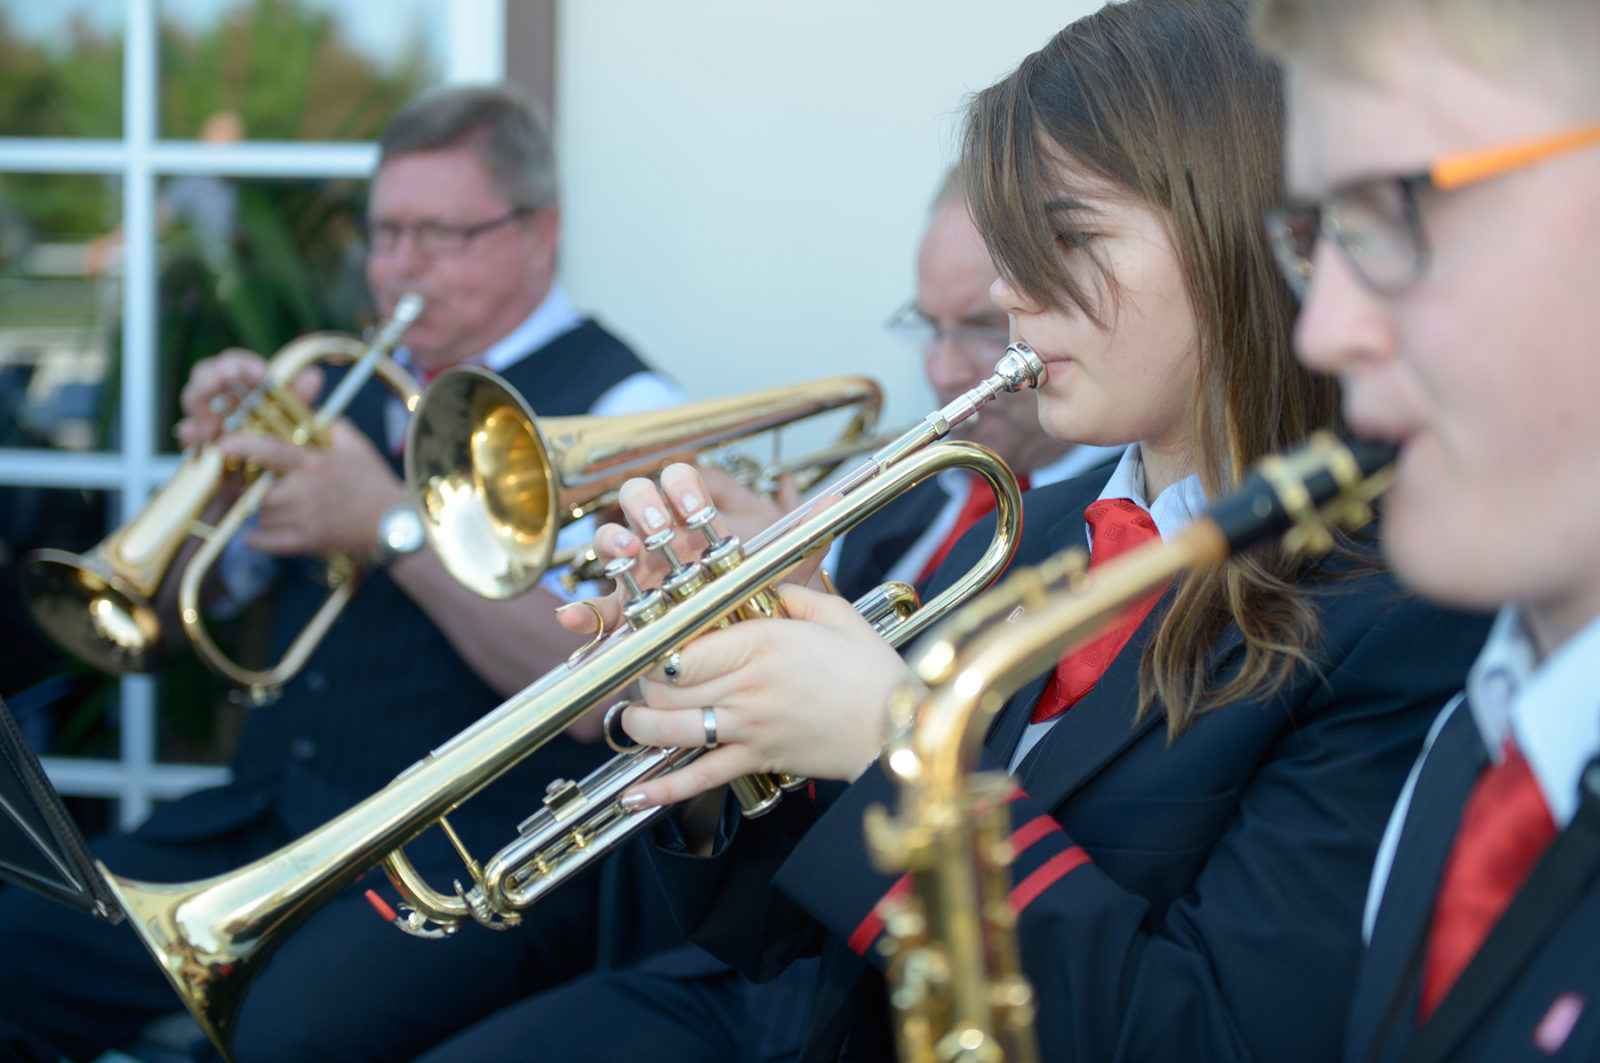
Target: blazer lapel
(1065,532)
(1093,732)
(1387,989)
(1096,729)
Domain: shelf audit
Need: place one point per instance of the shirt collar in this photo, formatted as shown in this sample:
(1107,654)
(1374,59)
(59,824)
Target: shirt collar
(551,318)
(1173,509)
(1080,459)
(1075,462)
(1550,707)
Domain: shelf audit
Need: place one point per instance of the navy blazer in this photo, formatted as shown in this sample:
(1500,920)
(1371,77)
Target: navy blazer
(876,545)
(1551,1011)
(1194,901)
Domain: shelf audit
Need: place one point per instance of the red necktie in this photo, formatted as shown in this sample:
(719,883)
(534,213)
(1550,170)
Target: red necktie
(977,505)
(1119,525)
(1505,827)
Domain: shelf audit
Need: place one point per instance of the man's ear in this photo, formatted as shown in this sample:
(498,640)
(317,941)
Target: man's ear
(545,225)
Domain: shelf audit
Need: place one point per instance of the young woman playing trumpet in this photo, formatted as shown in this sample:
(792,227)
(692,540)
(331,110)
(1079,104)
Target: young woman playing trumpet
(1200,795)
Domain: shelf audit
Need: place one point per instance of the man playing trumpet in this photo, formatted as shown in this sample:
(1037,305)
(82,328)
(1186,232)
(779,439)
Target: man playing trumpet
(464,212)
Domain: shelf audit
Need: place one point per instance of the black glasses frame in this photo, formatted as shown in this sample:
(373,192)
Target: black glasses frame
(433,237)
(1295,229)
(912,325)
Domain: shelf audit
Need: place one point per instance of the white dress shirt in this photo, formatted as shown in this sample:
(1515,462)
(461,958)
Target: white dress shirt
(1550,708)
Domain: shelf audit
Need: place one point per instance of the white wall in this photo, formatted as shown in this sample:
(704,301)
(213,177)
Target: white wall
(746,180)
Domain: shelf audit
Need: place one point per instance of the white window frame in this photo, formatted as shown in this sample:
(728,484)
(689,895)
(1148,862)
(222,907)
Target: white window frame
(475,51)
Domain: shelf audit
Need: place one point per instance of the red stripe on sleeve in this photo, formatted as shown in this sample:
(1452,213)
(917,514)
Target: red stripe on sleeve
(872,925)
(1030,832)
(1044,876)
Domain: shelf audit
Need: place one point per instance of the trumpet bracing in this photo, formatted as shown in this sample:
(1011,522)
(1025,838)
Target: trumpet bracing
(98,606)
(956,981)
(212,937)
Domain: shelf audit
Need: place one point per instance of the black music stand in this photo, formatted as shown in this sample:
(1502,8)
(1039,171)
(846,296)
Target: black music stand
(40,847)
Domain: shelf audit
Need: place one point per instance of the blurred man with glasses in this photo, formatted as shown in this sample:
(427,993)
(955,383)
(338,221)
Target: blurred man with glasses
(463,211)
(1443,231)
(960,334)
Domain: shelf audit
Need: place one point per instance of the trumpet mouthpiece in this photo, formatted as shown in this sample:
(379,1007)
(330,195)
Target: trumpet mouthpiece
(409,308)
(1020,368)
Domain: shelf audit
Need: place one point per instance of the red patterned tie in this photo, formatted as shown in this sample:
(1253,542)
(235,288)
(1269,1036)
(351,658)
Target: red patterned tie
(1505,826)
(1118,525)
(977,505)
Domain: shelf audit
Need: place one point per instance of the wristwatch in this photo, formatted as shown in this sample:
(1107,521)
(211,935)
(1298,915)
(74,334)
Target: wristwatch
(399,533)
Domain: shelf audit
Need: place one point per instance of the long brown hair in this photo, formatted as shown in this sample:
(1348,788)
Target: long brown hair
(1167,100)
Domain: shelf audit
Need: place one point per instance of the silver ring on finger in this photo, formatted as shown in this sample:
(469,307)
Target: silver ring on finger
(708,721)
(673,666)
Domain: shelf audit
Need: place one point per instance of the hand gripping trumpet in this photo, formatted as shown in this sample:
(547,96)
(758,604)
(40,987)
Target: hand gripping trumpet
(212,937)
(955,976)
(98,606)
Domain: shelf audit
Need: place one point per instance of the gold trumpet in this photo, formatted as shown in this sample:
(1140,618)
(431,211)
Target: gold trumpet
(212,937)
(98,606)
(494,484)
(956,981)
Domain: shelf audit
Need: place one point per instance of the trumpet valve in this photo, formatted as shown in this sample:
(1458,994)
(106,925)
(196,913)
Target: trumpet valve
(641,606)
(703,520)
(685,579)
(724,551)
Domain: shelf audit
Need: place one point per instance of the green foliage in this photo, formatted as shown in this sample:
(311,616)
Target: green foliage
(285,67)
(290,264)
(75,91)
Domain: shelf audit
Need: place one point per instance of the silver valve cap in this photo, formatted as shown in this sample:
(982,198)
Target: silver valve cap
(661,543)
(620,571)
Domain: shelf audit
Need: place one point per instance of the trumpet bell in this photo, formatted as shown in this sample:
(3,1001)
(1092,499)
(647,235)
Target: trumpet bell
(495,486)
(482,481)
(92,612)
(98,606)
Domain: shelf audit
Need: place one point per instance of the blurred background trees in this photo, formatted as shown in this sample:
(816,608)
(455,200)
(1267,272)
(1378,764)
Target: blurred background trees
(250,262)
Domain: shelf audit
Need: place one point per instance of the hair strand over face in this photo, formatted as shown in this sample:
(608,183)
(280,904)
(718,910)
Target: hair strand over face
(1167,101)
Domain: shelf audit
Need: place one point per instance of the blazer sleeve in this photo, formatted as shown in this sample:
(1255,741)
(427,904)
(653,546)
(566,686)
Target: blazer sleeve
(1256,959)
(724,901)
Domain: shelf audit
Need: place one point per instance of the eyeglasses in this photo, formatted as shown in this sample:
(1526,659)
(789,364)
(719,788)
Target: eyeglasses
(972,341)
(1376,223)
(434,237)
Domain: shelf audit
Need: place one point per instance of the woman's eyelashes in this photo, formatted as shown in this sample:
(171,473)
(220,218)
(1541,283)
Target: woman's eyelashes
(1073,239)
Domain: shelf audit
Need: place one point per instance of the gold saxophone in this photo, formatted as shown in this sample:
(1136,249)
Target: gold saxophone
(213,936)
(956,980)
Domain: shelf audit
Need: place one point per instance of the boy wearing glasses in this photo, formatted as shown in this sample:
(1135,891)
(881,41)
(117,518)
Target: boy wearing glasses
(1444,233)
